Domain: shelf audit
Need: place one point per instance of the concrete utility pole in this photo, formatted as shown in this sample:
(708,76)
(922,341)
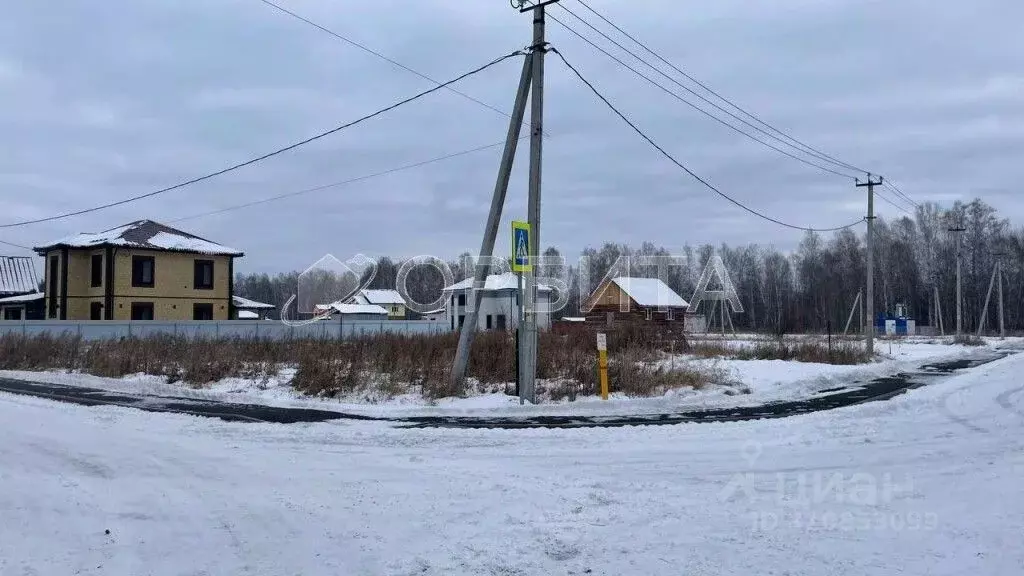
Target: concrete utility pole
(528,336)
(468,329)
(532,76)
(870,297)
(1002,324)
(959,284)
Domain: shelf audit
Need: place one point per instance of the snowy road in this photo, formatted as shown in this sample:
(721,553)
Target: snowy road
(927,483)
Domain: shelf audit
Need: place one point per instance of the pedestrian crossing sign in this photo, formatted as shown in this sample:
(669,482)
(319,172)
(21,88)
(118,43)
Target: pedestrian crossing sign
(521,247)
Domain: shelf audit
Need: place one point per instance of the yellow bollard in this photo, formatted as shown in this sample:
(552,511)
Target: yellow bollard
(602,363)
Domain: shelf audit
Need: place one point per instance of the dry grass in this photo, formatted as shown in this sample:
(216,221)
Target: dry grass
(381,365)
(802,350)
(969,340)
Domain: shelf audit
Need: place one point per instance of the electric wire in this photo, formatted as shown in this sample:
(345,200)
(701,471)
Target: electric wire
(342,182)
(269,154)
(380,55)
(664,153)
(698,108)
(795,142)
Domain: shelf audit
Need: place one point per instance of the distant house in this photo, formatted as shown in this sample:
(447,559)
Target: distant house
(20,298)
(143,270)
(626,299)
(499,305)
(390,300)
(246,309)
(352,311)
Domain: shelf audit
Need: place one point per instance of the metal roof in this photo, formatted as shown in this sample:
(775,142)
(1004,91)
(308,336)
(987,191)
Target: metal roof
(145,234)
(17,275)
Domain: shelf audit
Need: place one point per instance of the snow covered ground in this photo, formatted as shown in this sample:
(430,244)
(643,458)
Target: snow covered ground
(763,380)
(926,483)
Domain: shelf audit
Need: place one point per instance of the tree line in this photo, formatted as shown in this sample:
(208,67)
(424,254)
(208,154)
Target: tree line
(807,289)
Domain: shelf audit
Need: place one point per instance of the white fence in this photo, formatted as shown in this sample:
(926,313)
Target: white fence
(269,329)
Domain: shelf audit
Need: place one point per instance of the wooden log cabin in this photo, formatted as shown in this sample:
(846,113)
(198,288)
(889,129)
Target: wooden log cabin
(625,299)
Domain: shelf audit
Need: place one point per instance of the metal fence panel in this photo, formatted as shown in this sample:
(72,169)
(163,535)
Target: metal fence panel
(273,330)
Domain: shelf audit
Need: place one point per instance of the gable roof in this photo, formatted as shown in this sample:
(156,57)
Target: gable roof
(246,304)
(649,292)
(17,275)
(382,296)
(143,234)
(22,298)
(506,281)
(338,308)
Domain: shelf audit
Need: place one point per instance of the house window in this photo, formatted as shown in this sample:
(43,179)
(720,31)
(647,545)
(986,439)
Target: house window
(97,270)
(203,277)
(142,310)
(501,321)
(202,311)
(12,313)
(462,299)
(453,320)
(143,268)
(670,315)
(462,320)
(95,311)
(52,295)
(488,321)
(647,314)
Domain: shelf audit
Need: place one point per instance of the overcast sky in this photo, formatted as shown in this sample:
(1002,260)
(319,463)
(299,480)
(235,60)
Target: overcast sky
(104,100)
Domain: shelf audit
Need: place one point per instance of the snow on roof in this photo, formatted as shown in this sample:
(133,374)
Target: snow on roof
(382,296)
(145,234)
(17,275)
(245,303)
(506,281)
(22,298)
(650,292)
(248,315)
(337,308)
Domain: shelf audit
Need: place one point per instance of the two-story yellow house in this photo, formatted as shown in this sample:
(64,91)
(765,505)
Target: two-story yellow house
(140,271)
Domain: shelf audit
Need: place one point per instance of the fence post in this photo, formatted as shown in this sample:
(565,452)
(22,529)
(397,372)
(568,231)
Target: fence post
(258,320)
(129,328)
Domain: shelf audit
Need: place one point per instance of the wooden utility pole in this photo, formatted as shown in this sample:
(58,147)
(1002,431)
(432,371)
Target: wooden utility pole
(870,296)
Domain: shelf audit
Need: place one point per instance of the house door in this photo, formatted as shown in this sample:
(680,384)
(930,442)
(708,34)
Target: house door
(501,321)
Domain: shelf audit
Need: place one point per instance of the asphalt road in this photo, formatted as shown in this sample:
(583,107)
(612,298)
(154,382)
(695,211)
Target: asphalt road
(856,393)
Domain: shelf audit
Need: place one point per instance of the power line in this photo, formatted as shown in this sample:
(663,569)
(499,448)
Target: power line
(899,192)
(799,148)
(269,154)
(14,245)
(806,147)
(682,166)
(878,194)
(387,59)
(342,182)
(698,108)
